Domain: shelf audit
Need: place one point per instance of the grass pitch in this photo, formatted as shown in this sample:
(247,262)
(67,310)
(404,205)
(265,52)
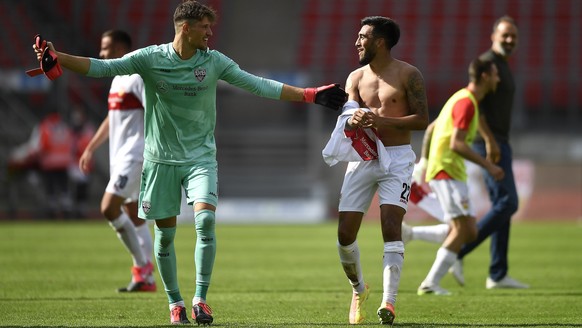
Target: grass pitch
(55,274)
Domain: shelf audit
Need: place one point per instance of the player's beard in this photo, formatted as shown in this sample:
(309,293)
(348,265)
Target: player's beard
(369,55)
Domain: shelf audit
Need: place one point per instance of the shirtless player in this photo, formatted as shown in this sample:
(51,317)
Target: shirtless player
(394,92)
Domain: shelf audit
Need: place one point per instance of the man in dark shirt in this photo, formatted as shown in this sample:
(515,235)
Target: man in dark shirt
(494,125)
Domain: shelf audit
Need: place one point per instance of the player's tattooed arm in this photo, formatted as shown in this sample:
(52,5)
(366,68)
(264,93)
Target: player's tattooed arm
(417,102)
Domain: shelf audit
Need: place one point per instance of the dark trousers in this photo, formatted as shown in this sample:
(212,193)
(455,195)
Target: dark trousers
(56,184)
(496,223)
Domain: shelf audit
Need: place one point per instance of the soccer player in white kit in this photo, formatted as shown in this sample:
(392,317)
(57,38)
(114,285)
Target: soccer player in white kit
(124,125)
(394,92)
(450,145)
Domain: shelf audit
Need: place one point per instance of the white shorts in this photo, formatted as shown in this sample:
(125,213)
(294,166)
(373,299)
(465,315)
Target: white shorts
(124,180)
(363,179)
(453,195)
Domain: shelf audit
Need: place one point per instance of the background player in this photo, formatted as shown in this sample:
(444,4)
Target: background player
(124,128)
(454,131)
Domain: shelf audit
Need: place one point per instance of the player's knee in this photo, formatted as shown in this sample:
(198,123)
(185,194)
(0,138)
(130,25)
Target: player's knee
(512,205)
(164,237)
(507,206)
(205,221)
(110,212)
(345,237)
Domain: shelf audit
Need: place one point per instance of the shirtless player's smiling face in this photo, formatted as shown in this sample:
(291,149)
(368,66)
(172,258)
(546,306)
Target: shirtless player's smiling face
(365,45)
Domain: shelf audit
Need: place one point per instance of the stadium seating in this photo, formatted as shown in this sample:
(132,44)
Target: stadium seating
(440,37)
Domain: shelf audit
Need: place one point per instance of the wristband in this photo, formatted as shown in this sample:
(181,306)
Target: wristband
(309,95)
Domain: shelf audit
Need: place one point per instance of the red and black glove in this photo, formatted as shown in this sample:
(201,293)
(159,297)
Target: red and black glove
(49,64)
(330,96)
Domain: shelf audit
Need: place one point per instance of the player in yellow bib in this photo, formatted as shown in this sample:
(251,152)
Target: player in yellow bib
(453,132)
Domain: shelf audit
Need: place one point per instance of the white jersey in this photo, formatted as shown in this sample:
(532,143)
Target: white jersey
(126,110)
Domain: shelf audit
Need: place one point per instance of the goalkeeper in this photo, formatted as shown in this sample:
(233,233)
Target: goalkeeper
(180,80)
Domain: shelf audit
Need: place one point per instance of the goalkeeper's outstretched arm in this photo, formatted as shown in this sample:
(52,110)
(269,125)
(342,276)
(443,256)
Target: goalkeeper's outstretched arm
(74,63)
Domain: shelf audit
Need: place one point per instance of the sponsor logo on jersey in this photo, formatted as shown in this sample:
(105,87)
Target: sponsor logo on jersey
(200,74)
(363,144)
(162,86)
(122,100)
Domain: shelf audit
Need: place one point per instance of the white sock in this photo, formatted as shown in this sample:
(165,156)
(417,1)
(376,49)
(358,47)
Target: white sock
(350,259)
(444,260)
(432,233)
(176,304)
(198,299)
(392,263)
(430,204)
(128,236)
(145,240)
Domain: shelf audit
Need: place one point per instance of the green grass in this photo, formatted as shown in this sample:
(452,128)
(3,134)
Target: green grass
(64,274)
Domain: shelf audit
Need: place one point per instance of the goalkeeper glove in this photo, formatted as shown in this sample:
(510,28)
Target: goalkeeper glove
(49,64)
(330,96)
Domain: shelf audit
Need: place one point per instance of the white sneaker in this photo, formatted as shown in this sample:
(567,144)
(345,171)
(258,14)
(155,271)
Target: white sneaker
(406,232)
(506,282)
(432,290)
(457,271)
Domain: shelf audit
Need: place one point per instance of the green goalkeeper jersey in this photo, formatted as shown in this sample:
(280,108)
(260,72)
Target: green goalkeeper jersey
(180,112)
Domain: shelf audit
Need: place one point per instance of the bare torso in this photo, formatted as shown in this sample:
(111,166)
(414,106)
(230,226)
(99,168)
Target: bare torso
(395,91)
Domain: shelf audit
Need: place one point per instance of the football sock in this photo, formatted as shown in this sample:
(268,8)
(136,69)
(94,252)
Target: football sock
(432,233)
(350,259)
(166,259)
(392,263)
(444,260)
(145,240)
(176,304)
(127,234)
(205,251)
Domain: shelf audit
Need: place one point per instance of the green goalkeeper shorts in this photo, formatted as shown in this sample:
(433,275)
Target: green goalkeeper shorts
(161,187)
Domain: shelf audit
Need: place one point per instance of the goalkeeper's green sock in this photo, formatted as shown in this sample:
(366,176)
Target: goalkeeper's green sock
(205,251)
(166,259)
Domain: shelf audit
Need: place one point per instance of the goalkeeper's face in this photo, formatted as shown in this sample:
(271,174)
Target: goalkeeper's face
(199,32)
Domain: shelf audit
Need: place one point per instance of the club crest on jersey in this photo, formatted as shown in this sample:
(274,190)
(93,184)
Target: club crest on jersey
(200,74)
(146,207)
